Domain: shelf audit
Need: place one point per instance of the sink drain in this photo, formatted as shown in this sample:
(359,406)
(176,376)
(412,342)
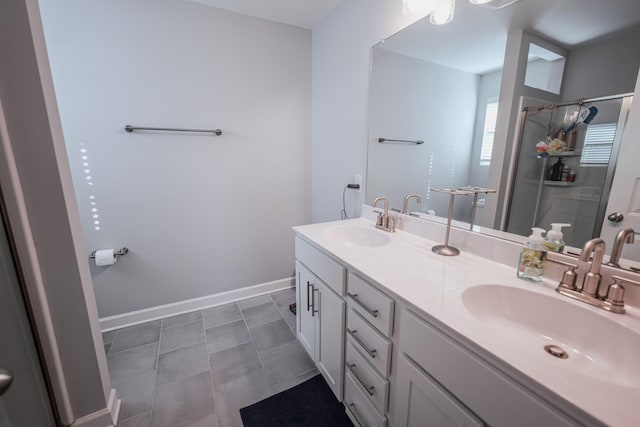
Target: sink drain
(556,351)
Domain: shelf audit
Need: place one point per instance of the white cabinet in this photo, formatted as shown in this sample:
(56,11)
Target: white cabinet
(421,401)
(441,382)
(321,312)
(306,323)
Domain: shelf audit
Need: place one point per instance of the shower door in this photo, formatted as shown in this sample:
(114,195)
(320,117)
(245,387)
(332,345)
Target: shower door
(24,399)
(538,198)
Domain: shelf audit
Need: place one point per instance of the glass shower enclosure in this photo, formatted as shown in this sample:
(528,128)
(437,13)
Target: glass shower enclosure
(566,160)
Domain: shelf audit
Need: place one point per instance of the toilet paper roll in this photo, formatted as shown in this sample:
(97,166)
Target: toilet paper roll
(105,257)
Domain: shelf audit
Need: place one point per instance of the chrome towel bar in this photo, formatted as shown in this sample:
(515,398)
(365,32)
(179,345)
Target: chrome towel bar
(130,129)
(402,141)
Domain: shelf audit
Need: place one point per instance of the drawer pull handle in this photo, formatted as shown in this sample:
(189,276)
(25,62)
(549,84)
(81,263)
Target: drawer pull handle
(369,310)
(354,335)
(309,285)
(352,406)
(370,389)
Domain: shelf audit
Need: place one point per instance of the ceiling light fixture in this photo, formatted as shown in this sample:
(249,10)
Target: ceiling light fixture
(444,13)
(480,1)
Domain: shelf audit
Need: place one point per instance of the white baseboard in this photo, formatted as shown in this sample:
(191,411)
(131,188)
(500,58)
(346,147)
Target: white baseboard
(173,309)
(107,417)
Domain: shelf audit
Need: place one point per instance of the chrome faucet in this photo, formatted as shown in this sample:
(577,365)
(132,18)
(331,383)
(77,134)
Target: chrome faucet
(591,281)
(626,235)
(384,222)
(584,285)
(406,202)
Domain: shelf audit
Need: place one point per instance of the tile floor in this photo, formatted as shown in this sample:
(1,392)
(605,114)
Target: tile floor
(198,369)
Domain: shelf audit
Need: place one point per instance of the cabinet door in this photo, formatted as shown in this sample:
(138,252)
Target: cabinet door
(306,318)
(421,401)
(330,342)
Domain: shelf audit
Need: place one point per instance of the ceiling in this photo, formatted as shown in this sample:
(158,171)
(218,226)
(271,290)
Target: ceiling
(301,13)
(476,38)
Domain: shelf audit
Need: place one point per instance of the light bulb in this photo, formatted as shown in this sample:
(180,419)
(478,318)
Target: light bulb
(443,14)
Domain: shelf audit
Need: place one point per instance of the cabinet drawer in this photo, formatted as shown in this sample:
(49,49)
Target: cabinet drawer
(375,347)
(374,386)
(359,406)
(472,380)
(329,271)
(372,304)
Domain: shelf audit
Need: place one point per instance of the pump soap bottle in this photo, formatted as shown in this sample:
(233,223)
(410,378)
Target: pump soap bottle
(553,241)
(532,256)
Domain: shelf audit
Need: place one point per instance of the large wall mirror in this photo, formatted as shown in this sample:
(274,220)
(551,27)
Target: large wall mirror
(530,100)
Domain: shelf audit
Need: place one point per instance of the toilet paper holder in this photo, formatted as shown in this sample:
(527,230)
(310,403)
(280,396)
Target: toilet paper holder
(121,252)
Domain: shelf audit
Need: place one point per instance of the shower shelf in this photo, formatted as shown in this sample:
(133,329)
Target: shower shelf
(566,154)
(560,183)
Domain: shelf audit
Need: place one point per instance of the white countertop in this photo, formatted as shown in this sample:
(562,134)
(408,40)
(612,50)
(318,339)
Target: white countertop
(433,284)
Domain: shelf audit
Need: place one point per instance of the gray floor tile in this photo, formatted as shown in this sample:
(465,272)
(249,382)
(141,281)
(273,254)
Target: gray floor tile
(136,394)
(182,363)
(260,314)
(228,365)
(244,391)
(271,335)
(282,300)
(137,335)
(129,363)
(227,336)
(142,420)
(108,337)
(292,382)
(180,336)
(220,315)
(290,318)
(182,400)
(209,420)
(284,297)
(181,318)
(286,362)
(250,302)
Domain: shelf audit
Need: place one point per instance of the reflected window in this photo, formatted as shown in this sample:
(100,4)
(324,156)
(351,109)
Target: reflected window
(598,143)
(489,131)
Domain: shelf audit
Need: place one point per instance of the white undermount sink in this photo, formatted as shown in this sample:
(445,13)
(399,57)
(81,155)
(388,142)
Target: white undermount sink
(357,235)
(597,347)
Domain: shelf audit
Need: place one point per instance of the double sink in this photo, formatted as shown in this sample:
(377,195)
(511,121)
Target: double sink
(558,332)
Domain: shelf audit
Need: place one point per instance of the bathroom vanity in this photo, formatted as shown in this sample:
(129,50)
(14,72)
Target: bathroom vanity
(406,337)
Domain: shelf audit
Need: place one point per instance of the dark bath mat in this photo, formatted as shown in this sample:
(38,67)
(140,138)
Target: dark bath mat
(310,404)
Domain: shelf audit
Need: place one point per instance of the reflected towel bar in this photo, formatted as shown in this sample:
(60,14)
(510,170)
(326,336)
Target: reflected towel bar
(405,141)
(130,129)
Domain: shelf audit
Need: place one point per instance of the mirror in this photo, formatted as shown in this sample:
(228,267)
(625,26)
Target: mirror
(456,87)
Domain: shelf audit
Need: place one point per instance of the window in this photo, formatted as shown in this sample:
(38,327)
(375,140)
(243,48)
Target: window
(489,131)
(598,143)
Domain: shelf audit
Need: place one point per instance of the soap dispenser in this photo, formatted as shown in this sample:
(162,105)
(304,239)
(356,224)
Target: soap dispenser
(532,256)
(553,241)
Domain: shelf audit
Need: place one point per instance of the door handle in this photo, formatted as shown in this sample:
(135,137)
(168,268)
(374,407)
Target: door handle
(615,217)
(5,380)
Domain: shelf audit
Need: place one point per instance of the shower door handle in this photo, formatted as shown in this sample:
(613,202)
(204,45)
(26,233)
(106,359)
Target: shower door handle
(615,217)
(5,380)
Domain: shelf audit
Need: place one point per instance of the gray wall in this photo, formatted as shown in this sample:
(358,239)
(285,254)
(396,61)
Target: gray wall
(416,99)
(200,214)
(341,60)
(607,67)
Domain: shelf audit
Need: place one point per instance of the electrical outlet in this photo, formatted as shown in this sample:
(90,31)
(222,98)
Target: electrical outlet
(358,180)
